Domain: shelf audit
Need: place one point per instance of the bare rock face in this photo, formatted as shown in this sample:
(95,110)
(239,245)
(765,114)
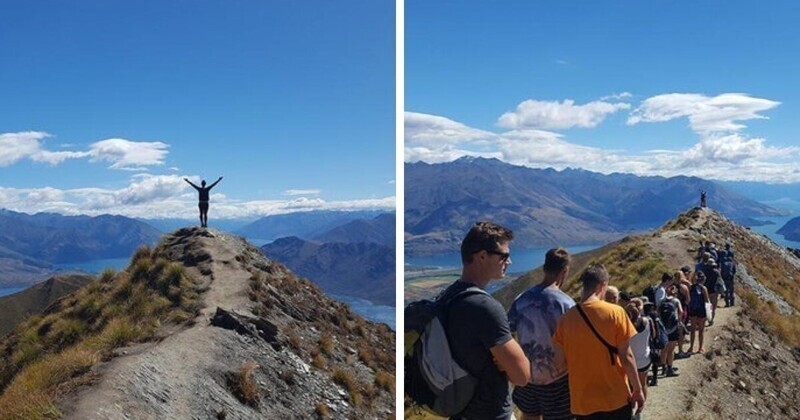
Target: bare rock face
(264,345)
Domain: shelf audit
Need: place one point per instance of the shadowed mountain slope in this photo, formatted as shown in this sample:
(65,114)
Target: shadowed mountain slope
(365,270)
(14,308)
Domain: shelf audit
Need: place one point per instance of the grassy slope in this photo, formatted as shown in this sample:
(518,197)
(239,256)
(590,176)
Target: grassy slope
(51,353)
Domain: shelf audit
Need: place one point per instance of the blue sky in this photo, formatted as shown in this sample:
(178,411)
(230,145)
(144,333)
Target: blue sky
(652,88)
(106,105)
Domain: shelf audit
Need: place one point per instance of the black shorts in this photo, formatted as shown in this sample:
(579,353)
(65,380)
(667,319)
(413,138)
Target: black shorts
(203,206)
(697,313)
(675,335)
(625,412)
(550,401)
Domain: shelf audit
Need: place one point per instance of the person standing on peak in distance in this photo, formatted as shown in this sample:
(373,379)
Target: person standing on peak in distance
(595,337)
(477,327)
(534,315)
(203,194)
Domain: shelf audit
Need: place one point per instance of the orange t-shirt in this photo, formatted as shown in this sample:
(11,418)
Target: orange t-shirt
(595,385)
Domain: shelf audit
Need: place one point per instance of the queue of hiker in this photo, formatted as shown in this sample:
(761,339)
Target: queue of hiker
(590,359)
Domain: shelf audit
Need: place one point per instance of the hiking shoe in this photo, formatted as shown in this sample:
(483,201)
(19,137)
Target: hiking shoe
(682,355)
(671,373)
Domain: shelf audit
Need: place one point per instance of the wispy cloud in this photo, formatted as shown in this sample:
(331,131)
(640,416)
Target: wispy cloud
(302,192)
(123,154)
(29,145)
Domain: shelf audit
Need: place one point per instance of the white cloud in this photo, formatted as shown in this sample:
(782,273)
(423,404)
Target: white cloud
(164,196)
(392,182)
(707,115)
(28,145)
(554,115)
(434,131)
(126,154)
(302,192)
(717,155)
(123,154)
(616,96)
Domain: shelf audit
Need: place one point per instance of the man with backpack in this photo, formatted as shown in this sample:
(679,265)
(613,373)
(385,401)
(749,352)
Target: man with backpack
(595,337)
(728,271)
(533,316)
(669,313)
(476,326)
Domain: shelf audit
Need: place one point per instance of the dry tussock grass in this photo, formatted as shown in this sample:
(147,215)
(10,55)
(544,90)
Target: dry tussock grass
(49,352)
(244,384)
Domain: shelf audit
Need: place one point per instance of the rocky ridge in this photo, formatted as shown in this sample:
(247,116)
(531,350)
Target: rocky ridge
(264,344)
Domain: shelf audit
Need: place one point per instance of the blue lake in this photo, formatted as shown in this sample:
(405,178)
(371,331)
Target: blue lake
(95,266)
(369,310)
(522,259)
(769,230)
(5,291)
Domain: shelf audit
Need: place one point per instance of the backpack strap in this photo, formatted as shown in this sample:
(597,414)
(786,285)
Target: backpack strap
(611,349)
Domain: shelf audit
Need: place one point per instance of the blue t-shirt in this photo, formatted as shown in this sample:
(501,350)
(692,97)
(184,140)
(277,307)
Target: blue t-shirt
(534,315)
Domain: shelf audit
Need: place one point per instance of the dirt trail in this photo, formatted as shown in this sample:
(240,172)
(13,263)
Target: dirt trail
(154,381)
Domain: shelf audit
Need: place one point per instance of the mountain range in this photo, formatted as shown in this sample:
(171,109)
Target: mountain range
(304,225)
(354,259)
(32,243)
(548,207)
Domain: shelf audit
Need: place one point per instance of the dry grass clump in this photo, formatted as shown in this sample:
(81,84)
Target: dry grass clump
(385,380)
(326,344)
(348,381)
(322,410)
(318,361)
(293,339)
(51,351)
(243,384)
(784,327)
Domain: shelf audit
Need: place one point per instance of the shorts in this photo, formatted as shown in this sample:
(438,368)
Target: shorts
(550,401)
(697,313)
(624,412)
(675,335)
(203,206)
(645,369)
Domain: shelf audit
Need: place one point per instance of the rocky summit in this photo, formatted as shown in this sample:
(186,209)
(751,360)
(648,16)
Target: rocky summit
(202,326)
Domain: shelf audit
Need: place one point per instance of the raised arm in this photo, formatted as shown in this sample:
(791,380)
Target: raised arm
(215,183)
(190,183)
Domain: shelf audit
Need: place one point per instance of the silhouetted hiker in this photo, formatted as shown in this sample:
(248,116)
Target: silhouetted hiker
(702,198)
(203,198)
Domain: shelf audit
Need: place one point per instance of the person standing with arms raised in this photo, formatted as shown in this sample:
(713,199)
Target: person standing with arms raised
(203,194)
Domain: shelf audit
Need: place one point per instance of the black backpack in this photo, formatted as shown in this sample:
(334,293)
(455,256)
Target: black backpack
(660,337)
(668,315)
(433,379)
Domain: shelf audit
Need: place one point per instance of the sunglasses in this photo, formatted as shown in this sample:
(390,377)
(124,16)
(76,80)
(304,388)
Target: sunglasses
(504,256)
